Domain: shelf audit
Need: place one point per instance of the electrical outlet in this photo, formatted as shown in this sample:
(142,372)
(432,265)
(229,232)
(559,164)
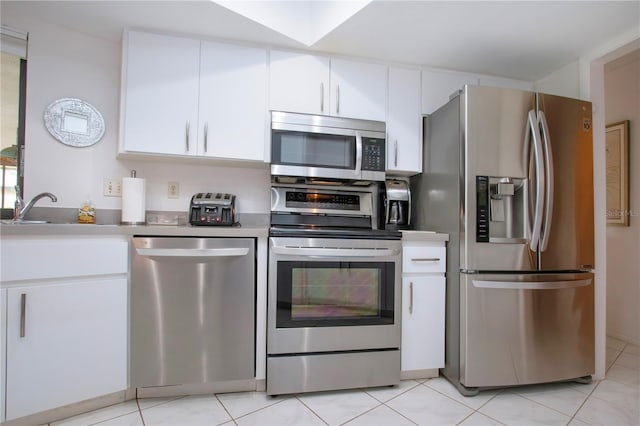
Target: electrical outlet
(173,190)
(112,187)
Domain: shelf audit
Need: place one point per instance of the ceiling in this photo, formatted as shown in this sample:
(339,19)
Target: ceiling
(524,40)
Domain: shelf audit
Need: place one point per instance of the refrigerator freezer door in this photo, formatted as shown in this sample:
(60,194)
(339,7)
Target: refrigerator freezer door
(521,329)
(494,129)
(569,231)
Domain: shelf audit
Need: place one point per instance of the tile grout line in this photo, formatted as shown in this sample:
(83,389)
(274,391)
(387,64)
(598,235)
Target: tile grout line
(225,409)
(398,412)
(139,409)
(310,409)
(584,402)
(259,409)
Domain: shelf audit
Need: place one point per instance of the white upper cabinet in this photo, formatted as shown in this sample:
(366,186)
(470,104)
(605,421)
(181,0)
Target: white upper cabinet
(320,85)
(233,101)
(299,83)
(404,122)
(186,97)
(358,90)
(160,98)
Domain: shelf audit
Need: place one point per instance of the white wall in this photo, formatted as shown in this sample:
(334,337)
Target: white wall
(622,102)
(63,63)
(563,82)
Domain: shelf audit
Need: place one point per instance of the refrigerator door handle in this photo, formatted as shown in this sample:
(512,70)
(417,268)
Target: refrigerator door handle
(548,165)
(532,126)
(531,285)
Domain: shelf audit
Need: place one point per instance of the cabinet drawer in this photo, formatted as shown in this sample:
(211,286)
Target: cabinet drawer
(55,257)
(422,258)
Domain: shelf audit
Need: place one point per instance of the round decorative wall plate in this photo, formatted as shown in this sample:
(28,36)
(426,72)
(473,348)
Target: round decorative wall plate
(74,122)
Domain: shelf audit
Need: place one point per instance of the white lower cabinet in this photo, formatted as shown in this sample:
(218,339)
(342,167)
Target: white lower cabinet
(64,344)
(423,304)
(64,306)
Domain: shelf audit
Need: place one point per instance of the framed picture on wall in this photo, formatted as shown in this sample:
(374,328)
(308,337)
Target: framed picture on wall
(617,160)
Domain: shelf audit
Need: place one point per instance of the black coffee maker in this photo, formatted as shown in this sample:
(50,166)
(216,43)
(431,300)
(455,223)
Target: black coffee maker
(397,204)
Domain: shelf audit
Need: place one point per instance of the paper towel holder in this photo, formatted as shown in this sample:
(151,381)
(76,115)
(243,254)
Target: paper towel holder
(133,209)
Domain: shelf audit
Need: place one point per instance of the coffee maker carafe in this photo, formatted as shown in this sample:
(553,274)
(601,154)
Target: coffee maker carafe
(397,204)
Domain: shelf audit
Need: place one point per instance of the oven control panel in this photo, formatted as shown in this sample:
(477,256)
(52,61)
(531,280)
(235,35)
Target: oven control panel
(315,200)
(320,201)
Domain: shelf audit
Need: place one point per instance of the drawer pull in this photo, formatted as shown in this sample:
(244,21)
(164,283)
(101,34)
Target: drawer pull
(426,259)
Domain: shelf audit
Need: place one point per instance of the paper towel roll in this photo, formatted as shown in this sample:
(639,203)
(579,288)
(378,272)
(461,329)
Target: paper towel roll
(133,201)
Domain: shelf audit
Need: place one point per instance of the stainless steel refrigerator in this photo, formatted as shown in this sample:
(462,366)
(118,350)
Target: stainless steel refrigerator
(508,175)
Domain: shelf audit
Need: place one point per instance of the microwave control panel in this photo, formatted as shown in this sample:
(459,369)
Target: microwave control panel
(373,157)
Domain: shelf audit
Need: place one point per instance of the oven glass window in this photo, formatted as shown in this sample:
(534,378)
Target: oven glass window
(317,294)
(313,150)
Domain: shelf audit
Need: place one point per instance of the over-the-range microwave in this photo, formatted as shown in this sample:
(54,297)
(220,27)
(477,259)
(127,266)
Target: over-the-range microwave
(324,147)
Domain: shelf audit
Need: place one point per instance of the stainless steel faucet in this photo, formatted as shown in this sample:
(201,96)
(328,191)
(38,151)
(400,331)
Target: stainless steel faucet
(21,209)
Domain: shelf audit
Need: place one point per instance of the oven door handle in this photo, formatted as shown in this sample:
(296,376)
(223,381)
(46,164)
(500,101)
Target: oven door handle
(319,252)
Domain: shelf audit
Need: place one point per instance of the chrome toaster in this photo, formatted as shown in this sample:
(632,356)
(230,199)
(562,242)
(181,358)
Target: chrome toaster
(211,208)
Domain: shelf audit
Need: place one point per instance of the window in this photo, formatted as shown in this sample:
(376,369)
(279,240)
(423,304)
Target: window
(13,77)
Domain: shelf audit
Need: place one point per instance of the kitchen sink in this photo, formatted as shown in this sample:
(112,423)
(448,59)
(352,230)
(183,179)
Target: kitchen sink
(22,221)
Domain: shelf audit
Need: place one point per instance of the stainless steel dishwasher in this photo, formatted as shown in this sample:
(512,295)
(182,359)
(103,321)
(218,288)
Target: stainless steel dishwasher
(192,310)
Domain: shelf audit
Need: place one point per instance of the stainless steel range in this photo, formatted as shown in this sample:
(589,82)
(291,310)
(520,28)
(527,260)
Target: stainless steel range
(334,291)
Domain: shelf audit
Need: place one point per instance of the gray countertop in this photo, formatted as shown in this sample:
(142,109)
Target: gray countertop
(255,231)
(253,226)
(424,236)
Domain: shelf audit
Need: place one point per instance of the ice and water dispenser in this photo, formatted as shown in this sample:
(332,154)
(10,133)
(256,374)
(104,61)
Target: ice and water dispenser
(501,209)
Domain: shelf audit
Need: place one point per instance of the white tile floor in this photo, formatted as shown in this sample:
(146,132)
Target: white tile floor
(613,401)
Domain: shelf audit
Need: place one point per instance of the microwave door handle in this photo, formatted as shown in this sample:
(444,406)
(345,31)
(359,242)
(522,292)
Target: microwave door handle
(548,165)
(358,170)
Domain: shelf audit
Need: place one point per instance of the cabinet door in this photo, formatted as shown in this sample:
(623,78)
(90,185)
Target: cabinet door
(404,122)
(65,343)
(160,94)
(422,322)
(233,98)
(299,83)
(358,90)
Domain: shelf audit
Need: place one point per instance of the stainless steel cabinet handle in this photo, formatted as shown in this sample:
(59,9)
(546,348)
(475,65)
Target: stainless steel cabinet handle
(206,132)
(426,259)
(321,97)
(338,99)
(23,314)
(411,297)
(395,149)
(187,135)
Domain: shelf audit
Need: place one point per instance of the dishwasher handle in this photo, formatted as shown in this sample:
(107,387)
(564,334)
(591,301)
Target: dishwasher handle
(201,253)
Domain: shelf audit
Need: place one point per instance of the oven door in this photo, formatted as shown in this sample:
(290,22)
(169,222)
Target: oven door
(328,295)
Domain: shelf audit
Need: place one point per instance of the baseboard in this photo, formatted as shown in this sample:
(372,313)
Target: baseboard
(70,410)
(419,374)
(198,389)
